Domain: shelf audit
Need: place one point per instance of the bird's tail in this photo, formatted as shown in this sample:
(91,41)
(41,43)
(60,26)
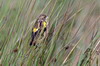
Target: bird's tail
(31,42)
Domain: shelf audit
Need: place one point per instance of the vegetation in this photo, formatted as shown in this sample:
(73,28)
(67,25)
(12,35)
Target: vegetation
(73,39)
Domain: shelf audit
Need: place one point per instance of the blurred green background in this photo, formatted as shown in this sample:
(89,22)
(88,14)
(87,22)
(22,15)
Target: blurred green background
(74,33)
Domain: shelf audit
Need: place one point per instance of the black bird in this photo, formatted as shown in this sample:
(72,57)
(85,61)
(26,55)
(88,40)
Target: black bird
(41,24)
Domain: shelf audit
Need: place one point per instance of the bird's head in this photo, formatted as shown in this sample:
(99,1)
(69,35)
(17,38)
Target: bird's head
(42,18)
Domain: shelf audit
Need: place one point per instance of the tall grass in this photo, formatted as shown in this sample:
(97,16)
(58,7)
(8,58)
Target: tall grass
(73,38)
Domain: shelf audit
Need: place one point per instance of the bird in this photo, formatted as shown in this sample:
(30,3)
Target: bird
(40,24)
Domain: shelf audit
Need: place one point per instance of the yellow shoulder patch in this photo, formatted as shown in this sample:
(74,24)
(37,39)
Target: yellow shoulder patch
(35,29)
(44,24)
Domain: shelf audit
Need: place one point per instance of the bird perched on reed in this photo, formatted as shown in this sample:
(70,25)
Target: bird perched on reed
(40,25)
